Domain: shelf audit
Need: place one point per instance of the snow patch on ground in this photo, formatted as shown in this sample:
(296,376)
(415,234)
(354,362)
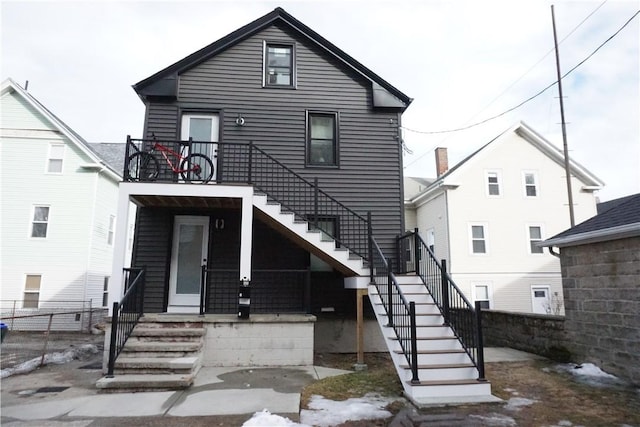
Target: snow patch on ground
(325,413)
(267,419)
(57,358)
(494,419)
(516,403)
(590,374)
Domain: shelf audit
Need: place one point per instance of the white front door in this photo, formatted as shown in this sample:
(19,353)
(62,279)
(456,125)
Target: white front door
(540,301)
(202,127)
(188,255)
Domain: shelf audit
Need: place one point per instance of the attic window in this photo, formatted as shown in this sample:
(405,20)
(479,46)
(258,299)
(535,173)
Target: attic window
(279,65)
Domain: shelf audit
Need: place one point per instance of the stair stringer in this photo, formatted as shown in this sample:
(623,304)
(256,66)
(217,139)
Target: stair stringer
(339,258)
(440,381)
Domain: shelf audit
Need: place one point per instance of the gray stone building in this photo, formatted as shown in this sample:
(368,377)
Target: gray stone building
(600,261)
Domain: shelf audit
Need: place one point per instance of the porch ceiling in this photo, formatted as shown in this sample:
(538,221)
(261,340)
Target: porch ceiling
(186,201)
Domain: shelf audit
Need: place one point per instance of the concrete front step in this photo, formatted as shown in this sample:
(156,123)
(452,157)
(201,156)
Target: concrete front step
(159,332)
(137,346)
(141,382)
(453,372)
(433,392)
(156,365)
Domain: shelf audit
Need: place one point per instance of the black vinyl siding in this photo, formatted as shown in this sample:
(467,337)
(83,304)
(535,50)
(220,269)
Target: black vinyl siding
(369,177)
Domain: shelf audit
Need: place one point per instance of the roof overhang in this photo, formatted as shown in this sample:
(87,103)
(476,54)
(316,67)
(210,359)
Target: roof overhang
(603,235)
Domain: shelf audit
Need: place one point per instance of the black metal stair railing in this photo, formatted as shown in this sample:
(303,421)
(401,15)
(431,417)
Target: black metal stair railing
(126,313)
(401,314)
(242,163)
(463,317)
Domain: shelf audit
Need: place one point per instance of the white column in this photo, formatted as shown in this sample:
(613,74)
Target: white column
(246,236)
(116,287)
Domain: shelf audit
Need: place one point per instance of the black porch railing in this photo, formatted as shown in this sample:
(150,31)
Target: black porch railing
(464,318)
(126,313)
(272,291)
(401,314)
(242,163)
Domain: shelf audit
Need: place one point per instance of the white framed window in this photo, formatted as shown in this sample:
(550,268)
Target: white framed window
(40,221)
(105,292)
(431,240)
(482,292)
(478,238)
(279,64)
(530,183)
(112,229)
(55,158)
(31,297)
(493,183)
(534,235)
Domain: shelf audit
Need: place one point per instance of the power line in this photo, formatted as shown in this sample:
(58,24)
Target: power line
(531,97)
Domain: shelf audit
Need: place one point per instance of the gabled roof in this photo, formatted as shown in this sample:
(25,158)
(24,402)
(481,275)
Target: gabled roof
(10,86)
(621,220)
(164,82)
(590,181)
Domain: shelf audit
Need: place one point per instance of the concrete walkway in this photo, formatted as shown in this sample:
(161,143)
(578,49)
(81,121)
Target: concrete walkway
(216,392)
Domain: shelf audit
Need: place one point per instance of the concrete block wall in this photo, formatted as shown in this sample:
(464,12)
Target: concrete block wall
(602,303)
(535,333)
(260,342)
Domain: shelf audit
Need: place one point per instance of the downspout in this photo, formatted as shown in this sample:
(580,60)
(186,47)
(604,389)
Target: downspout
(91,235)
(400,142)
(555,254)
(448,224)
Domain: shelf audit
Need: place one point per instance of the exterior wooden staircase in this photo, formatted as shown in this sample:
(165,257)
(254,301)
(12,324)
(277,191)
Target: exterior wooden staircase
(446,372)
(159,355)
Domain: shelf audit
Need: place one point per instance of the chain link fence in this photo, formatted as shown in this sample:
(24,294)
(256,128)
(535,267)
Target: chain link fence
(55,326)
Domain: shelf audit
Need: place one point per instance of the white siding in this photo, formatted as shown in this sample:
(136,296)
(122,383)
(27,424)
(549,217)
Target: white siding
(66,257)
(433,214)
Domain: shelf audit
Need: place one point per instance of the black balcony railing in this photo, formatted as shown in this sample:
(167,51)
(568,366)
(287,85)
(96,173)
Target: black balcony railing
(464,318)
(401,314)
(126,313)
(239,163)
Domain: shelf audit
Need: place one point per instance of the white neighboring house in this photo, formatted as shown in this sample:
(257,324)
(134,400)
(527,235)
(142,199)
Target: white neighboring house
(486,214)
(59,197)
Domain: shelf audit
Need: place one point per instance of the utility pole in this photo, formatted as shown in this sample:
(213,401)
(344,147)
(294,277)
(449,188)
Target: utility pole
(564,126)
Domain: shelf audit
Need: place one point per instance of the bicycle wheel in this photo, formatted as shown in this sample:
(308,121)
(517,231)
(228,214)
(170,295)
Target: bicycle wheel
(196,167)
(143,167)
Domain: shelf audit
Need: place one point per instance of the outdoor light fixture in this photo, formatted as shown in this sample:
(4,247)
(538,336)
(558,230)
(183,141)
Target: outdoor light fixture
(240,120)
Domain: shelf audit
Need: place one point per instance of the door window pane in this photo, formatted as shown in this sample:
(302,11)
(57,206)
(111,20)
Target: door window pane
(200,129)
(189,259)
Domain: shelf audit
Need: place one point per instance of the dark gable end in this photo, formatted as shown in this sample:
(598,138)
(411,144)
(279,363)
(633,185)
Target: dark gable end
(164,84)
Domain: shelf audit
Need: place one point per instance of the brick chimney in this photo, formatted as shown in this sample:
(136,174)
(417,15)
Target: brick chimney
(442,162)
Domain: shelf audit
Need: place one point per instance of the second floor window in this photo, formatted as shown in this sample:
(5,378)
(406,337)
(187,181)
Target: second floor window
(493,183)
(535,236)
(40,221)
(530,184)
(322,139)
(56,155)
(279,65)
(478,239)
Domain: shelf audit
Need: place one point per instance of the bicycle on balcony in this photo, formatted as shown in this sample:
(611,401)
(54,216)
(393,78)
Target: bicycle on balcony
(193,167)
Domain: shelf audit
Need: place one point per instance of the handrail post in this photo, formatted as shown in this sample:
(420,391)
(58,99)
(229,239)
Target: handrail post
(250,164)
(414,344)
(316,197)
(445,292)
(416,251)
(114,334)
(203,279)
(370,240)
(480,342)
(389,295)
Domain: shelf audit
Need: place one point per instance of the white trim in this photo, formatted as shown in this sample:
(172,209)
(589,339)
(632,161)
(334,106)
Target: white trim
(485,231)
(498,174)
(611,233)
(536,183)
(529,239)
(246,237)
(32,221)
(111,230)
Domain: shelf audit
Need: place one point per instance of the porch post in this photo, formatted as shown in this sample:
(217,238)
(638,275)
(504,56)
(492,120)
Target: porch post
(246,237)
(116,287)
(360,365)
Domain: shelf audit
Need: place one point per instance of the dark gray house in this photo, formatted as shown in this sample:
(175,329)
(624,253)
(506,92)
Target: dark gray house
(268,194)
(600,261)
